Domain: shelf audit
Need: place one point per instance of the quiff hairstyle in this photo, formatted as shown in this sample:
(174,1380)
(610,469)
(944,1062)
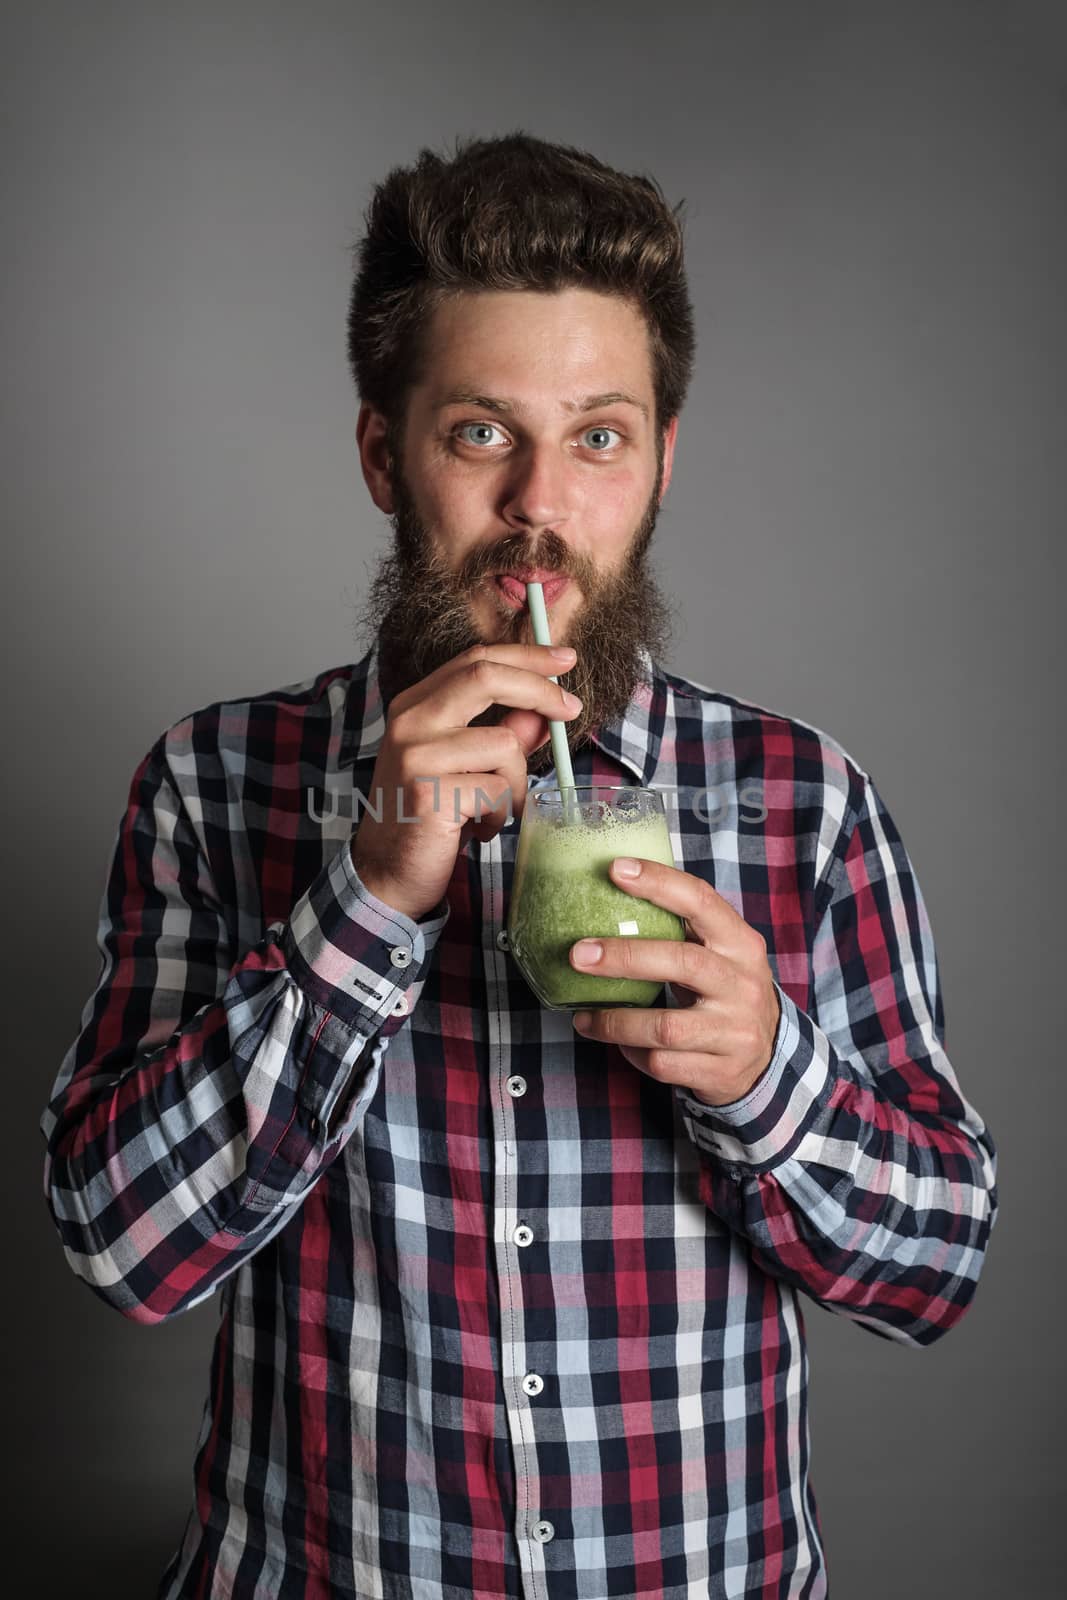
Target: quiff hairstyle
(512,213)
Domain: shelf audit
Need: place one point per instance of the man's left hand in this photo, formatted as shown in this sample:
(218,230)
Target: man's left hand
(721,1039)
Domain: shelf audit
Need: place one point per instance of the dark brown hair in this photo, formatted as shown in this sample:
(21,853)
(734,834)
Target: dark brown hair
(512,213)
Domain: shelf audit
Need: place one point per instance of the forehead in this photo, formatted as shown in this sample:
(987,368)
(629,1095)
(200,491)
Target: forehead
(562,343)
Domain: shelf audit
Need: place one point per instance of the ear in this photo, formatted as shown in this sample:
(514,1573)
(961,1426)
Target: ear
(374,457)
(670,433)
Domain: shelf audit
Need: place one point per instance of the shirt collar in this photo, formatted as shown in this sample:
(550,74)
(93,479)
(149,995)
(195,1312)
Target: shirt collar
(633,739)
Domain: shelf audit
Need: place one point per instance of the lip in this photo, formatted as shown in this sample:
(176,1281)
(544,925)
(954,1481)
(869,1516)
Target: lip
(511,587)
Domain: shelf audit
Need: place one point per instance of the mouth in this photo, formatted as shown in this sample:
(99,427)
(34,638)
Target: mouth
(512,589)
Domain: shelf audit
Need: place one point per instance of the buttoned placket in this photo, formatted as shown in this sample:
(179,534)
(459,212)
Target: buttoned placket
(514,1234)
(400,957)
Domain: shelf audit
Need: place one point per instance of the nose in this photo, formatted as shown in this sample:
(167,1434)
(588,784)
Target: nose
(536,496)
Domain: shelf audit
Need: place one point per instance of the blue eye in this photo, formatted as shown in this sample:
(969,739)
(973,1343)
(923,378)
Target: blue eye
(484,431)
(483,427)
(602,432)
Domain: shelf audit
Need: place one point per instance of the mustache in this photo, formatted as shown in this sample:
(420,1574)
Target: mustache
(515,553)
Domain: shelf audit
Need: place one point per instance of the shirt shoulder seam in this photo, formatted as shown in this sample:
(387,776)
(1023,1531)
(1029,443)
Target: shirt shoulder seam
(690,689)
(308,691)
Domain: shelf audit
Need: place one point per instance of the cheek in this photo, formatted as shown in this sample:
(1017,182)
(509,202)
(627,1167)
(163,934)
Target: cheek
(616,505)
(454,502)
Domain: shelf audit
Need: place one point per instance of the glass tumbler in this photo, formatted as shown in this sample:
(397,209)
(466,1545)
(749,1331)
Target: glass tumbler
(562,890)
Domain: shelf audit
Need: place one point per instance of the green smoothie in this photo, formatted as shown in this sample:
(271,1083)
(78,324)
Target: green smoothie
(562,892)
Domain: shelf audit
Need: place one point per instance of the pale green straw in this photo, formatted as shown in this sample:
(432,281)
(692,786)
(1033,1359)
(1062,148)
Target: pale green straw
(535,599)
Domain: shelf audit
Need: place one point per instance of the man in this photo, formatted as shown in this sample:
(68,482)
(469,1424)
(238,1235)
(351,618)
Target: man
(510,1300)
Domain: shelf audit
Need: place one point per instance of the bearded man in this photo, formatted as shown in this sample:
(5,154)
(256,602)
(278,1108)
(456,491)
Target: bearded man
(510,1297)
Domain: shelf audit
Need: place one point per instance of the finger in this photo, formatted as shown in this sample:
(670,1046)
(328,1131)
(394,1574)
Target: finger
(542,658)
(523,670)
(450,799)
(478,749)
(680,961)
(687,1070)
(483,683)
(494,750)
(480,798)
(712,919)
(646,1028)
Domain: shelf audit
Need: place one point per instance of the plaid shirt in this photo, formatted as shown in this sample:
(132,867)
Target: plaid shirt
(500,1315)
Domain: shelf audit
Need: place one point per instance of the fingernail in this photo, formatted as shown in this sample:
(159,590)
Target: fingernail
(582,1019)
(587,952)
(626,867)
(571,701)
(563,652)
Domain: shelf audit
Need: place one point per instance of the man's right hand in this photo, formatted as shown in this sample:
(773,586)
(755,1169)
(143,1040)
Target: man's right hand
(408,864)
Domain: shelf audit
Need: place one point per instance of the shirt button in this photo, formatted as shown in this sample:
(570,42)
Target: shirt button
(516,1086)
(502,939)
(523,1235)
(532,1384)
(543,1532)
(399,1007)
(400,957)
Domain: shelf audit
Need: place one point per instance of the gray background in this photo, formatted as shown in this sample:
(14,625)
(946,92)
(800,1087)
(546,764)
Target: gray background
(859,533)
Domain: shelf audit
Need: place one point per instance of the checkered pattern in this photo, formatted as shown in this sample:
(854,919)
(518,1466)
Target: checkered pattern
(500,1315)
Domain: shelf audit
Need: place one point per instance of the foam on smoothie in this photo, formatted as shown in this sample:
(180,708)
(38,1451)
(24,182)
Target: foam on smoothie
(582,845)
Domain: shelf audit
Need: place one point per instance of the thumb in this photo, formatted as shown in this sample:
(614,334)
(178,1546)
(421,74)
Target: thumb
(531,727)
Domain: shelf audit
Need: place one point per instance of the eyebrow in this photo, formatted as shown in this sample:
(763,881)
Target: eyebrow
(589,402)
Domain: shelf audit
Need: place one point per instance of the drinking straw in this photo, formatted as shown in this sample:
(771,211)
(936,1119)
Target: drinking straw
(535,599)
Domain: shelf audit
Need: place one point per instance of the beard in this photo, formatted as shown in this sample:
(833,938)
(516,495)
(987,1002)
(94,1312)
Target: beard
(419,609)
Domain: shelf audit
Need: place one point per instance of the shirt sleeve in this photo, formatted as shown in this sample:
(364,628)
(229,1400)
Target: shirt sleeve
(855,1168)
(205,1094)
